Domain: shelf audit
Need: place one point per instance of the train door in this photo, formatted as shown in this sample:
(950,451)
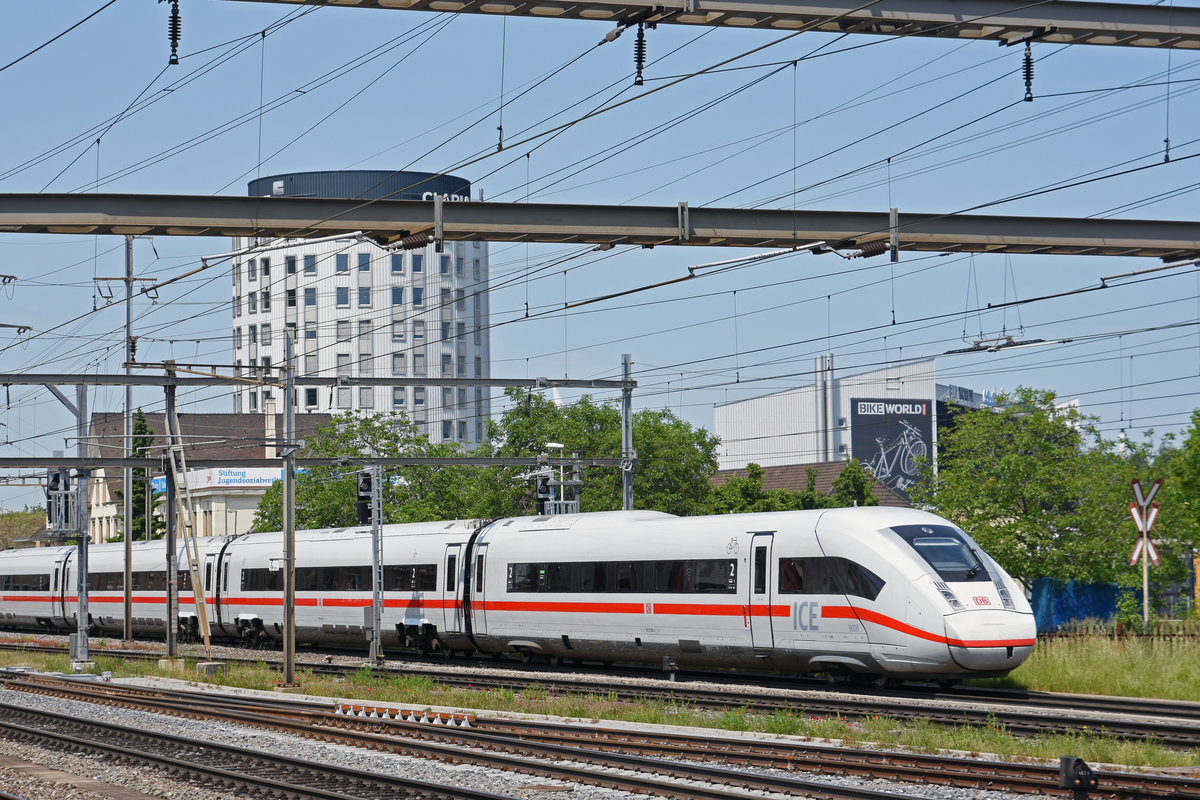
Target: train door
(209,576)
(58,595)
(452,591)
(759,606)
(479,593)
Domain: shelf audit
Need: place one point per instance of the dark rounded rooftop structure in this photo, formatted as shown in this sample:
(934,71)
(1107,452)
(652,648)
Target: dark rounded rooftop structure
(367,184)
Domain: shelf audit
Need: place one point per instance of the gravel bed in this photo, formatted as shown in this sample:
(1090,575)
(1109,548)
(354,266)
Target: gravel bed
(504,783)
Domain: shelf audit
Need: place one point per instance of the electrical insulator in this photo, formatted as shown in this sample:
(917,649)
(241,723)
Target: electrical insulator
(174,32)
(1028,73)
(414,241)
(875,248)
(639,54)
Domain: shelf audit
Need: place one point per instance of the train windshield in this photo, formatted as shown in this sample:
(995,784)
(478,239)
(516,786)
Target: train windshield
(944,549)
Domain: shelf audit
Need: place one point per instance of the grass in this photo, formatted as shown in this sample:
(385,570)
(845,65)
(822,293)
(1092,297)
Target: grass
(1167,668)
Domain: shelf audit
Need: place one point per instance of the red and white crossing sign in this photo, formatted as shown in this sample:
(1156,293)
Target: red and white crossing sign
(1146,499)
(1144,519)
(1151,551)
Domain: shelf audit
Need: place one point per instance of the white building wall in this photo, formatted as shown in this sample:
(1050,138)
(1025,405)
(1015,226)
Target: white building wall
(358,310)
(786,427)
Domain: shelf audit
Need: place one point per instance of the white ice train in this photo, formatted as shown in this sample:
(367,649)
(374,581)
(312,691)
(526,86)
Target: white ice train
(859,592)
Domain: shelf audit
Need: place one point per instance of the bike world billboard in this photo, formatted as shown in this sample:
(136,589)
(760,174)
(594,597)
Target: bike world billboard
(891,437)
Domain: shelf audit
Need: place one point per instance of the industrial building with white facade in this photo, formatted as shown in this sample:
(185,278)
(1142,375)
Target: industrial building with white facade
(887,419)
(356,309)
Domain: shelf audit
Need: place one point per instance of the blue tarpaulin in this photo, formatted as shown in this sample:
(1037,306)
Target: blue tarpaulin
(1055,603)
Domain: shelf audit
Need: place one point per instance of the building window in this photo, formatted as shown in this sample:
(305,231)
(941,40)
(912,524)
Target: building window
(265,265)
(366,397)
(462,430)
(478,366)
(462,397)
(343,397)
(418,262)
(461,331)
(310,398)
(237,305)
(254,401)
(364,262)
(461,367)
(419,397)
(398,330)
(418,295)
(266,299)
(252,303)
(445,303)
(399,363)
(366,366)
(310,297)
(419,332)
(364,297)
(397,263)
(342,296)
(266,365)
(447,397)
(265,333)
(310,265)
(291,332)
(364,335)
(289,263)
(252,270)
(460,300)
(478,430)
(310,330)
(458,266)
(447,434)
(291,298)
(475,272)
(237,338)
(445,331)
(399,396)
(342,262)
(419,365)
(343,365)
(447,366)
(342,327)
(444,264)
(237,278)
(397,295)
(310,364)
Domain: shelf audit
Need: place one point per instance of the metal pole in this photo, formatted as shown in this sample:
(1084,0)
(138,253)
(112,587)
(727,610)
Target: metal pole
(127,483)
(82,526)
(289,517)
(376,564)
(627,432)
(172,558)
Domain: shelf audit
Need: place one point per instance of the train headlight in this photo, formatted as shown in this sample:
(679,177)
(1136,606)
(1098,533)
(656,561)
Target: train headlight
(949,596)
(1005,597)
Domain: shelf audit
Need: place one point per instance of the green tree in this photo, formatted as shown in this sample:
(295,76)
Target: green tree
(143,441)
(1033,482)
(745,494)
(852,487)
(17,525)
(674,464)
(327,496)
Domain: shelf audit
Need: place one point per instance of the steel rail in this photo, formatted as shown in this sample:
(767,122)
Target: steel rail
(498,733)
(174,753)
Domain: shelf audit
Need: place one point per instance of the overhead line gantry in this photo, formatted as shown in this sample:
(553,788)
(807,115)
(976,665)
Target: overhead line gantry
(1003,21)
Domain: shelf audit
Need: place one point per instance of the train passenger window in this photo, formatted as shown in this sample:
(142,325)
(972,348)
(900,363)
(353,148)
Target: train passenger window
(522,577)
(451,575)
(945,550)
(479,574)
(208,567)
(589,576)
(716,576)
(627,576)
(760,570)
(832,575)
(557,578)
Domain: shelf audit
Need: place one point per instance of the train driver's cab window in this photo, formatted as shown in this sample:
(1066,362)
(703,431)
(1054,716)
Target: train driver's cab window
(946,551)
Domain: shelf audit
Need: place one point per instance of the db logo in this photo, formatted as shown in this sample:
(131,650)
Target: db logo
(982,601)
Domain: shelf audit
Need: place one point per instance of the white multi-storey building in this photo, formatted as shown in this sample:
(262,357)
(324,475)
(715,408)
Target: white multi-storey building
(355,309)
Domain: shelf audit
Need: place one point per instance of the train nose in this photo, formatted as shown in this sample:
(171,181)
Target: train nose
(987,641)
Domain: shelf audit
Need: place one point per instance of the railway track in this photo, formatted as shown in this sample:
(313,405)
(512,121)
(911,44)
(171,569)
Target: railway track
(534,744)
(1169,723)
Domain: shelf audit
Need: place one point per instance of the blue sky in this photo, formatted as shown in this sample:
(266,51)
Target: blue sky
(811,121)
